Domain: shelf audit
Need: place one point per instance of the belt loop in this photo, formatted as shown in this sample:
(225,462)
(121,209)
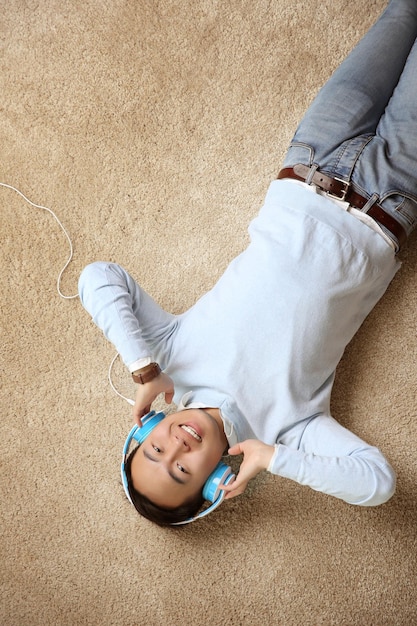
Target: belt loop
(313,170)
(370,203)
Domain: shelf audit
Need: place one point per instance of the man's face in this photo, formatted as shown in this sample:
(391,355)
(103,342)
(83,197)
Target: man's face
(175,460)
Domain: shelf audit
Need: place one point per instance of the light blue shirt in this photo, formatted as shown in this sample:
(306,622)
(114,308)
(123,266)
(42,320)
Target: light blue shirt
(263,344)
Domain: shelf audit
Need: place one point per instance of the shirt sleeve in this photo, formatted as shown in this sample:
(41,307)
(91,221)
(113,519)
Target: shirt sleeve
(129,318)
(333,460)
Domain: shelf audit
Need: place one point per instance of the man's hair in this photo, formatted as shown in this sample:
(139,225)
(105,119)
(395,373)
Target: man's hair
(155,513)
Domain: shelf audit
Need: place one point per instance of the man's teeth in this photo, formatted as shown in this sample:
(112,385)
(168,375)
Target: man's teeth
(191,431)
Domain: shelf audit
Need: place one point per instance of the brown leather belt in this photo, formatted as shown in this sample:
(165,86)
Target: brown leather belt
(343,191)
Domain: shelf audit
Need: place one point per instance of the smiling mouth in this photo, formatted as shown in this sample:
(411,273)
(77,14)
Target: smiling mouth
(190,430)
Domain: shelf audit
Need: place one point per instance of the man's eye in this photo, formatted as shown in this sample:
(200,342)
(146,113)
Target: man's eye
(156,448)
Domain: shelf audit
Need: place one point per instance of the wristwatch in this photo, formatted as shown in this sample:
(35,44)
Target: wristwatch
(146,374)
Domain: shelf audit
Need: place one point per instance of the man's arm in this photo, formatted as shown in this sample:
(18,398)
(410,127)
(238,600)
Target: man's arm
(330,459)
(131,320)
(333,460)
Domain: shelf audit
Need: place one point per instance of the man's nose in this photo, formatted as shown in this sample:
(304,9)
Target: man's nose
(177,445)
(180,442)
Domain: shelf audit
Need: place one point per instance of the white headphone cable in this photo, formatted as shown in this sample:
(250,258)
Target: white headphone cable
(58,285)
(131,402)
(44,208)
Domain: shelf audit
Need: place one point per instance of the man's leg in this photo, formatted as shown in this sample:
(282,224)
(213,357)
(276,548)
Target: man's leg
(353,100)
(388,164)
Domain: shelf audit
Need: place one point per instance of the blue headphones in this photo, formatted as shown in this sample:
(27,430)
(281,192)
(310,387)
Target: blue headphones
(221,475)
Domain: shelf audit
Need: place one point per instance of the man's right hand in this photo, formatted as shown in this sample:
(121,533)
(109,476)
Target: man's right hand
(147,393)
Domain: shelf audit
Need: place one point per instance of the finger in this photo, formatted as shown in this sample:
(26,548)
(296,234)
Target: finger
(236,486)
(138,413)
(234,450)
(169,397)
(234,493)
(229,496)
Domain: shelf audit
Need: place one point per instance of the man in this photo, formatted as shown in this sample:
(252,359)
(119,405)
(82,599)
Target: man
(251,365)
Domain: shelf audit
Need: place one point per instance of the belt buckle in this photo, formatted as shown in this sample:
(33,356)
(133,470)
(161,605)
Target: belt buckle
(344,191)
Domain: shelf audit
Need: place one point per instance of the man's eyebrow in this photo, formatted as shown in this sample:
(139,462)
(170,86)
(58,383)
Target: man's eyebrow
(171,474)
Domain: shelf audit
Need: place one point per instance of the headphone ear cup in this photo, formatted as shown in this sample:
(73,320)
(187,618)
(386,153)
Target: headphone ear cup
(149,422)
(218,477)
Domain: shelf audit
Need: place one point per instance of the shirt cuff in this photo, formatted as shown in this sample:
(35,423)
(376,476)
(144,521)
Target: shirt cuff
(272,461)
(137,365)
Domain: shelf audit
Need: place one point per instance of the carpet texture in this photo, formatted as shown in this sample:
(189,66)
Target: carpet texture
(153,129)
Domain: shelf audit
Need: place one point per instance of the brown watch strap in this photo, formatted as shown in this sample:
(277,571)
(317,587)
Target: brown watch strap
(146,374)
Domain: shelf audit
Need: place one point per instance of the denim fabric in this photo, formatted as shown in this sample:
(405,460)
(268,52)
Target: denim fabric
(362,126)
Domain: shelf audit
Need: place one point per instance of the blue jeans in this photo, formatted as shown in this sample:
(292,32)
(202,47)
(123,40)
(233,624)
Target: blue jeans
(362,126)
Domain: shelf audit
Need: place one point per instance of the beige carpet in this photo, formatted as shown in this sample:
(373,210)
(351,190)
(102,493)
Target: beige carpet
(153,129)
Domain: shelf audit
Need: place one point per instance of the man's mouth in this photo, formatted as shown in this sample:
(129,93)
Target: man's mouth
(191,431)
